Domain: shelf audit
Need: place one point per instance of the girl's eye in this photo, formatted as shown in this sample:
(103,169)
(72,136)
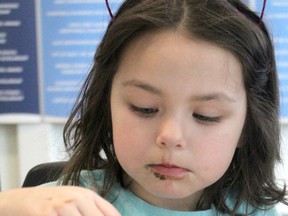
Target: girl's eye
(206,119)
(143,111)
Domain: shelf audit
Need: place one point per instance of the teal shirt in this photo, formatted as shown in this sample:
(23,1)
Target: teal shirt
(130,205)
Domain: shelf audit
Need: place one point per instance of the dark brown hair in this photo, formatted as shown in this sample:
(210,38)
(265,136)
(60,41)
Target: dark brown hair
(226,23)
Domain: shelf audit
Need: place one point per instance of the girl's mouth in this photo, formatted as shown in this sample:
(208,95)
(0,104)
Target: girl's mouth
(168,171)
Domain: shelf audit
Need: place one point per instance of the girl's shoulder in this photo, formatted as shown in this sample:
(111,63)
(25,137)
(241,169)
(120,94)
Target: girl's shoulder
(259,211)
(91,179)
(248,209)
(88,179)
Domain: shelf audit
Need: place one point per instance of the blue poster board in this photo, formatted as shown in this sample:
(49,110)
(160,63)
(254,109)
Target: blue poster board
(19,100)
(71,31)
(276,16)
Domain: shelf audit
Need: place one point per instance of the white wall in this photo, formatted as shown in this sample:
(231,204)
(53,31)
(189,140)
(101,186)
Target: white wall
(24,146)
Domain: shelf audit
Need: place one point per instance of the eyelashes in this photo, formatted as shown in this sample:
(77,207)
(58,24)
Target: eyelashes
(207,119)
(147,112)
(143,111)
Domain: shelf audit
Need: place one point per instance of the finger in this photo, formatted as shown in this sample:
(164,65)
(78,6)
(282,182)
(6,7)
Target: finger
(106,208)
(89,208)
(68,210)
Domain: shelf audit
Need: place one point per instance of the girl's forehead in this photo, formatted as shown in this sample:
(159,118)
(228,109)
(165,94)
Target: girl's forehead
(171,58)
(177,46)
(177,42)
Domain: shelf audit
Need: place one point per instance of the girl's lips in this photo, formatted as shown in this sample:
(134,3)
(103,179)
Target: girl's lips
(169,170)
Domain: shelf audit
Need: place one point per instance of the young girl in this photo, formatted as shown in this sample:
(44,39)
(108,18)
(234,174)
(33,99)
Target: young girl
(178,115)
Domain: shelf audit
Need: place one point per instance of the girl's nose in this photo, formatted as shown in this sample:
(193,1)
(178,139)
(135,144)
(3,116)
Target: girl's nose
(171,134)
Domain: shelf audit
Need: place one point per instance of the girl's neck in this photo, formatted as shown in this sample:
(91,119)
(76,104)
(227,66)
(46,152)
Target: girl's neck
(183,204)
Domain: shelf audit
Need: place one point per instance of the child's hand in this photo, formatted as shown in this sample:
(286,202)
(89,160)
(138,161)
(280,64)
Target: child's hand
(54,201)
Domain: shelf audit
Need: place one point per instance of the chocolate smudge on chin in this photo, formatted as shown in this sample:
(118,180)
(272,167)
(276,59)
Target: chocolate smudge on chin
(161,177)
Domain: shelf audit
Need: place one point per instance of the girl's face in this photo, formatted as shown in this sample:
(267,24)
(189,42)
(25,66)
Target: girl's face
(178,108)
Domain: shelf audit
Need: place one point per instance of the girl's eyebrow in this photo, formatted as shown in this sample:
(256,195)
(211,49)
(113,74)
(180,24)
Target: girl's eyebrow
(218,96)
(214,96)
(142,85)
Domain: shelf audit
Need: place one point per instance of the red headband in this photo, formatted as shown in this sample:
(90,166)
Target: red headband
(109,10)
(262,12)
